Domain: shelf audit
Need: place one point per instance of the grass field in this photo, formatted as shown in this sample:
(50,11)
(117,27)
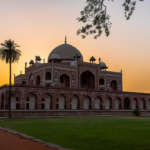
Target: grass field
(88,133)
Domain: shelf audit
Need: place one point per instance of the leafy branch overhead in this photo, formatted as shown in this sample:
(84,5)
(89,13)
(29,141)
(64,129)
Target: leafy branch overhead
(95,17)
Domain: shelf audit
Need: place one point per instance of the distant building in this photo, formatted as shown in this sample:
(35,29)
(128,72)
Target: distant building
(66,85)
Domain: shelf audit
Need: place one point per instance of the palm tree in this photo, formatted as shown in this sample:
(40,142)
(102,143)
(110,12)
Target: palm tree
(9,53)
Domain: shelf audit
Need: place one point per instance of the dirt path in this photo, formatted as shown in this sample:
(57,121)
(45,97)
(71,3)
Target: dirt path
(13,142)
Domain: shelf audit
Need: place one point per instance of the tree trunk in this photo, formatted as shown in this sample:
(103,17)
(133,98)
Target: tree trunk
(9,97)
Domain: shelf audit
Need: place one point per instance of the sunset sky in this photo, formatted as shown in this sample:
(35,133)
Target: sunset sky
(38,26)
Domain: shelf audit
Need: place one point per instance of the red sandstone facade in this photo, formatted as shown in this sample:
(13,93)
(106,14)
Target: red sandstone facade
(66,85)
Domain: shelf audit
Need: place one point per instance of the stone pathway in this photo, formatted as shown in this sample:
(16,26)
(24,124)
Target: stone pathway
(17,141)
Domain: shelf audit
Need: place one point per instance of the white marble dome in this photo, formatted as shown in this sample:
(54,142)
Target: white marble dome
(65,52)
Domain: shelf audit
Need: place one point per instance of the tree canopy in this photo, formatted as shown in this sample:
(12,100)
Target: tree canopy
(96,19)
(9,51)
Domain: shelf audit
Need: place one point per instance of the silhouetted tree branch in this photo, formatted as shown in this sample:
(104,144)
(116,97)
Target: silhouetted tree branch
(96,19)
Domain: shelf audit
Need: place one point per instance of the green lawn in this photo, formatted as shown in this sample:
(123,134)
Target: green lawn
(88,133)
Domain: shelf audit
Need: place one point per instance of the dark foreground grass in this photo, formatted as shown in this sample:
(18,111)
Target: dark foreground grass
(88,133)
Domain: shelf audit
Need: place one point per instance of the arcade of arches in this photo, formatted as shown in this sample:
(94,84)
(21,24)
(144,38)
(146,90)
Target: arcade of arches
(74,102)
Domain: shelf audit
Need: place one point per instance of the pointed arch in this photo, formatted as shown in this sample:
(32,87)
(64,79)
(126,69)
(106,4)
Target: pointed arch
(48,76)
(108,103)
(46,102)
(30,102)
(31,79)
(127,103)
(117,103)
(101,81)
(98,103)
(38,80)
(87,80)
(135,103)
(87,103)
(15,103)
(61,102)
(143,104)
(74,102)
(2,101)
(65,81)
(148,104)
(114,85)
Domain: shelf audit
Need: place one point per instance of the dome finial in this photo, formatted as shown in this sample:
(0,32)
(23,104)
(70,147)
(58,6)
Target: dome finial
(65,39)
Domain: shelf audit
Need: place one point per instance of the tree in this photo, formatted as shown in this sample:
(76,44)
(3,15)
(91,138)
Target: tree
(9,53)
(96,19)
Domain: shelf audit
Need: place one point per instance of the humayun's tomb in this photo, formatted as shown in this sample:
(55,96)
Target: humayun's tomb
(65,85)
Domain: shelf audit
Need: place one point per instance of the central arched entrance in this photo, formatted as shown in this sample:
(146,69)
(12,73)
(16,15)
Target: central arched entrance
(87,80)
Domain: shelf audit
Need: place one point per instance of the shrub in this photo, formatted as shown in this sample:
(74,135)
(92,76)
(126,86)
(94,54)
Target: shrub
(136,112)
